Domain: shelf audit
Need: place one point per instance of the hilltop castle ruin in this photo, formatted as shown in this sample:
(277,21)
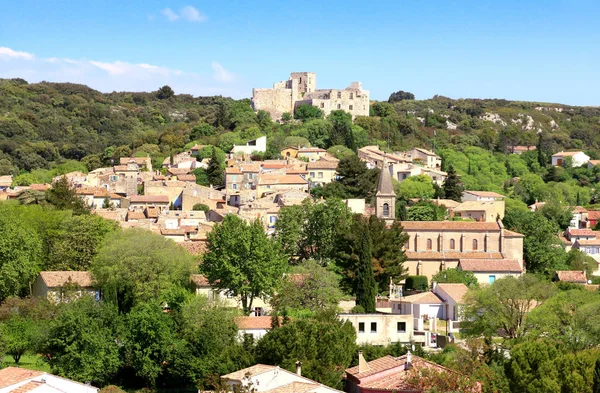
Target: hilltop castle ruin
(301,88)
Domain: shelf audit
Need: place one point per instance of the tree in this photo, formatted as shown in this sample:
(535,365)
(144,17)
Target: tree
(324,345)
(286,117)
(532,369)
(596,388)
(80,343)
(201,207)
(578,260)
(453,186)
(215,173)
(136,266)
(457,277)
(400,96)
(243,261)
(420,186)
(165,92)
(426,211)
(383,109)
(308,286)
(20,253)
(307,112)
(342,129)
(558,214)
(502,306)
(387,252)
(366,289)
(19,335)
(63,196)
(358,181)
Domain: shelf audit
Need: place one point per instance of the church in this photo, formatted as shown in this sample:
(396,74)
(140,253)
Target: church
(485,248)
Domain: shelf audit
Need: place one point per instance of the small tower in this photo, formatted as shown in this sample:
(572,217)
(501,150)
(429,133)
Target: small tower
(385,198)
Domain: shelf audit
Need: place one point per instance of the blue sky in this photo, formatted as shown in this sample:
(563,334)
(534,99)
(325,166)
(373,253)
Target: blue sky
(542,50)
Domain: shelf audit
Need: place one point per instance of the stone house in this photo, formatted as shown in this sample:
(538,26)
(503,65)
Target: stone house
(256,327)
(321,172)
(424,157)
(479,210)
(143,163)
(6,182)
(421,305)
(273,183)
(311,153)
(140,202)
(61,286)
(381,328)
(374,157)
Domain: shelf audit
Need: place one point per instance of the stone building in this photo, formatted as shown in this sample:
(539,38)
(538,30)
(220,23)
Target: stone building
(301,88)
(385,198)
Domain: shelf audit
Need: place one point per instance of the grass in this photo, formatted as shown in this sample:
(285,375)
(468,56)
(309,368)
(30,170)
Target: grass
(32,362)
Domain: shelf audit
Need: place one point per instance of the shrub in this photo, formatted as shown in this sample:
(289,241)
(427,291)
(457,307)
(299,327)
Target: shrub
(417,283)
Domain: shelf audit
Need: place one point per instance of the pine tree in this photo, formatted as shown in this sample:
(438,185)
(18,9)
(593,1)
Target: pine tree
(366,286)
(214,172)
(453,186)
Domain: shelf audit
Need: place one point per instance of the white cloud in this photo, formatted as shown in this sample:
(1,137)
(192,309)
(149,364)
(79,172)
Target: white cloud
(187,13)
(220,74)
(118,75)
(9,53)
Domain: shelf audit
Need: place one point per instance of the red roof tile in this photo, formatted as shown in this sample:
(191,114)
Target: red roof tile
(60,278)
(491,265)
(576,276)
(11,375)
(245,323)
(451,225)
(149,199)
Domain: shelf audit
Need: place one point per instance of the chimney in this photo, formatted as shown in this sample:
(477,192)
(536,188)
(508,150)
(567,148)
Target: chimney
(299,368)
(408,363)
(362,363)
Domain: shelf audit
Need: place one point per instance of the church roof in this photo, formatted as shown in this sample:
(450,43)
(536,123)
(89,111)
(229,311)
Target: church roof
(385,186)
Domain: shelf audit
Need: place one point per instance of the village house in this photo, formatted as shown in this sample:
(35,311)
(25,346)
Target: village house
(381,328)
(321,172)
(482,196)
(390,374)
(487,271)
(60,286)
(424,157)
(522,149)
(76,178)
(592,163)
(5,183)
(578,158)
(274,183)
(572,276)
(264,378)
(483,211)
(143,163)
(21,380)
(140,202)
(453,297)
(421,305)
(256,327)
(374,157)
(258,145)
(96,197)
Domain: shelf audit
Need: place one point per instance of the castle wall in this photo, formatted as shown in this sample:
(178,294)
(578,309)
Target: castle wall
(274,101)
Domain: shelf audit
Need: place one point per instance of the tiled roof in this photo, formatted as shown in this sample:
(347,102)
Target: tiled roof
(137,160)
(132,215)
(194,247)
(524,148)
(594,162)
(593,214)
(149,199)
(454,291)
(189,177)
(28,387)
(448,203)
(376,366)
(179,171)
(39,187)
(199,280)
(295,387)
(60,278)
(257,369)
(576,276)
(281,179)
(485,194)
(245,323)
(232,170)
(508,233)
(491,265)
(450,225)
(6,180)
(591,242)
(11,375)
(425,255)
(566,153)
(581,232)
(421,298)
(198,147)
(579,209)
(322,164)
(311,150)
(425,151)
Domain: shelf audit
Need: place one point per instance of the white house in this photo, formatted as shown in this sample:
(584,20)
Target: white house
(482,196)
(255,145)
(579,158)
(19,380)
(426,304)
(257,327)
(452,295)
(265,378)
(381,329)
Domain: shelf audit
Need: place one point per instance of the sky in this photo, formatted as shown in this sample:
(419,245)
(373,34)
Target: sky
(534,50)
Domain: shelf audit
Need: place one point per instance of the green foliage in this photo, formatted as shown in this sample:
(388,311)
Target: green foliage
(557,214)
(287,116)
(401,95)
(307,112)
(341,134)
(456,276)
(340,152)
(324,345)
(243,261)
(419,186)
(19,335)
(453,187)
(578,260)
(366,289)
(383,109)
(416,283)
(62,195)
(426,211)
(201,207)
(215,173)
(165,92)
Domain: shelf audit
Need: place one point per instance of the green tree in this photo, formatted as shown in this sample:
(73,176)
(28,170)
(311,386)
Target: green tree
(578,260)
(286,117)
(215,173)
(165,92)
(456,276)
(383,109)
(62,195)
(358,181)
(400,96)
(453,186)
(426,211)
(307,112)
(136,266)
(19,335)
(80,342)
(341,134)
(243,261)
(366,289)
(419,186)
(387,252)
(532,369)
(558,214)
(596,387)
(324,345)
(308,286)
(201,207)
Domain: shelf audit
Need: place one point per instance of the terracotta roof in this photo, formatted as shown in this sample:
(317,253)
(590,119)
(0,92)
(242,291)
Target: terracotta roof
(245,323)
(491,265)
(137,160)
(281,179)
(448,203)
(581,232)
(39,187)
(450,225)
(233,170)
(322,164)
(60,278)
(524,148)
(296,387)
(566,153)
(149,199)
(189,177)
(485,194)
(11,375)
(179,171)
(594,162)
(455,291)
(312,150)
(198,147)
(375,366)
(417,255)
(133,215)
(257,369)
(425,151)
(508,233)
(591,242)
(579,209)
(28,387)
(122,168)
(593,214)
(421,298)
(576,276)
(274,164)
(199,280)
(194,247)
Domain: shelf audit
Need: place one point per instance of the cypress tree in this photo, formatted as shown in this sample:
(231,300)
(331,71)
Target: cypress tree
(596,387)
(366,286)
(453,187)
(214,172)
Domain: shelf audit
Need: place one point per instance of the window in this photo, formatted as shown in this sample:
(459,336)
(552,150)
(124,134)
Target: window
(114,178)
(401,327)
(339,106)
(452,244)
(491,279)
(475,244)
(250,175)
(234,186)
(351,97)
(322,105)
(273,219)
(361,327)
(234,178)
(319,175)
(386,210)
(373,327)
(350,107)
(429,244)
(311,175)
(339,94)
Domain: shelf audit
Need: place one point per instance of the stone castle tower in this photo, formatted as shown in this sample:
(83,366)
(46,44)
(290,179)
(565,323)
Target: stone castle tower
(385,198)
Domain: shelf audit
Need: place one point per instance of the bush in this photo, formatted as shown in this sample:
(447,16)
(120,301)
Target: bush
(201,207)
(417,283)
(358,309)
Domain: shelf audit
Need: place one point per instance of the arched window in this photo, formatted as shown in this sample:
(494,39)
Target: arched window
(429,244)
(386,210)
(452,244)
(475,244)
